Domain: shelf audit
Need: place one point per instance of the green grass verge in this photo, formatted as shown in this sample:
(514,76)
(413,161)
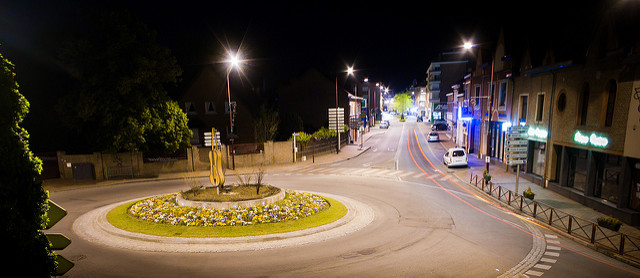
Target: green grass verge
(119,218)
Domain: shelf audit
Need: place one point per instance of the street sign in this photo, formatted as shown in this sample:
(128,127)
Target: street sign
(208,139)
(55,213)
(58,241)
(517,135)
(516,155)
(516,149)
(336,118)
(516,162)
(517,142)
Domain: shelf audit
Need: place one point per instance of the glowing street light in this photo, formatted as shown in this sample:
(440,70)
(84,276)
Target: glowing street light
(468,45)
(234,62)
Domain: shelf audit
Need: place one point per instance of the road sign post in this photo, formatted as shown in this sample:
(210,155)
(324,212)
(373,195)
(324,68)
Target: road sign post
(516,149)
(58,241)
(336,120)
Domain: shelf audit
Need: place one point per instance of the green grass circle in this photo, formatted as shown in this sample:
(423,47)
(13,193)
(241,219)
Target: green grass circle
(119,218)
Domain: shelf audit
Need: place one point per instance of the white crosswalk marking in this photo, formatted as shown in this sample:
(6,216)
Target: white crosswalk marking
(534,273)
(547,260)
(553,247)
(542,266)
(383,172)
(551,236)
(552,254)
(406,174)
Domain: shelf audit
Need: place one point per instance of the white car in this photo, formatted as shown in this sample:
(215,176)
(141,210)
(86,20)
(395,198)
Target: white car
(455,157)
(433,137)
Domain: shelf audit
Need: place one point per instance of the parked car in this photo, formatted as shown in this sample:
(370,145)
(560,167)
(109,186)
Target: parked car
(433,137)
(384,124)
(439,126)
(455,157)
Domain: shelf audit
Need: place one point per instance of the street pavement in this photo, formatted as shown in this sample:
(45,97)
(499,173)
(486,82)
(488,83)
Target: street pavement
(498,173)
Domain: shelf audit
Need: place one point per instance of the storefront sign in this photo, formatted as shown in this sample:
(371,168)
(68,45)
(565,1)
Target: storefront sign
(537,132)
(594,139)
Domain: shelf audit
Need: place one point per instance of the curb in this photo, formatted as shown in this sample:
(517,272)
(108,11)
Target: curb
(94,227)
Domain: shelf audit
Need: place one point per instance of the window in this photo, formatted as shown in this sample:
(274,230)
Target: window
(190,109)
(502,96)
(523,108)
(540,107)
(584,105)
(209,107)
(612,88)
(562,101)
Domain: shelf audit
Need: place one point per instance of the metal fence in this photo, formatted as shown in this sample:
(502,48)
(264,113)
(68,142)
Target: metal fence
(622,244)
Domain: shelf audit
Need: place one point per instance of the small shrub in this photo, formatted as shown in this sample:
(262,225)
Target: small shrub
(486,175)
(528,194)
(610,223)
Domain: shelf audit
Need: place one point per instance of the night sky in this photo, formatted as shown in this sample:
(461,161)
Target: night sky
(390,42)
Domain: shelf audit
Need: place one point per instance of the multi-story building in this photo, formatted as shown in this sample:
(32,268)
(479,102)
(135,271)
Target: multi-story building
(445,71)
(583,121)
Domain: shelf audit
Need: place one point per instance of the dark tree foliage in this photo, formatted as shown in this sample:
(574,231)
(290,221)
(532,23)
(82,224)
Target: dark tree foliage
(23,202)
(121,75)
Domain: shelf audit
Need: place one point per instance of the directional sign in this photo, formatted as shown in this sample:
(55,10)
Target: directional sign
(55,213)
(58,241)
(516,162)
(208,139)
(516,149)
(336,119)
(517,142)
(516,155)
(64,265)
(517,135)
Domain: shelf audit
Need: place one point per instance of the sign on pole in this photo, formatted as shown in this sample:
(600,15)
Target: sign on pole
(58,241)
(336,119)
(516,149)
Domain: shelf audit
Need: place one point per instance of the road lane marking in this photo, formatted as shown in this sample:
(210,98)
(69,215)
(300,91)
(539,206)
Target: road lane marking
(553,247)
(552,254)
(542,266)
(534,273)
(547,260)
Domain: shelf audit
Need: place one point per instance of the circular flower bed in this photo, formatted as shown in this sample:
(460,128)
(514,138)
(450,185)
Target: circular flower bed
(164,209)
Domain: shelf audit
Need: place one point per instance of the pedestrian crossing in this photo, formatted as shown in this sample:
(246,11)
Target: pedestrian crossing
(549,257)
(366,172)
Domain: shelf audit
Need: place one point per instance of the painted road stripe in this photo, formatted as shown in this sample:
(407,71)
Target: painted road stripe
(551,236)
(553,247)
(406,174)
(534,273)
(552,254)
(553,241)
(383,172)
(359,171)
(542,266)
(547,260)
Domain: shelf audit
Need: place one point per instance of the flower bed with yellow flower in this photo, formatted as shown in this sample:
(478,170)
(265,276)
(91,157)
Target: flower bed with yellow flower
(164,209)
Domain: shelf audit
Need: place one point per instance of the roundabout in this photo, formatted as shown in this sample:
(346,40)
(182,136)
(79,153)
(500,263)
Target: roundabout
(94,227)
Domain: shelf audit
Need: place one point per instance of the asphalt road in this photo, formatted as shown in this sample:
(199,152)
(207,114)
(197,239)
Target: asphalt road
(427,223)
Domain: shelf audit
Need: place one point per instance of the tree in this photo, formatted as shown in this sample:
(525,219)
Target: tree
(23,202)
(402,102)
(120,102)
(266,124)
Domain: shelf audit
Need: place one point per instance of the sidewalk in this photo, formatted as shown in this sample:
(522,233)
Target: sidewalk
(346,152)
(507,180)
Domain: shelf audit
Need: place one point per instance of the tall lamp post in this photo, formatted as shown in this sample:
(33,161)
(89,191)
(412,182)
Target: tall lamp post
(233,62)
(349,72)
(468,46)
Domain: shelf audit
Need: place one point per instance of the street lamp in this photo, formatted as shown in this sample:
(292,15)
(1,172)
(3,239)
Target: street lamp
(468,46)
(234,62)
(349,72)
